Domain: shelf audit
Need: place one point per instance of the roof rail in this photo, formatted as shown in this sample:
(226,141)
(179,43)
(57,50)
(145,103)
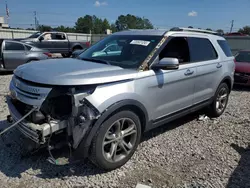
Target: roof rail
(194,30)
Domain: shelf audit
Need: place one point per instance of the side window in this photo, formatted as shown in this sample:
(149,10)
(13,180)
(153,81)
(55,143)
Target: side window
(225,47)
(28,47)
(47,36)
(201,49)
(177,47)
(14,46)
(58,36)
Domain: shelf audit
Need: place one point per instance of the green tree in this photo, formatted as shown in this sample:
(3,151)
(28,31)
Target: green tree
(113,28)
(97,25)
(132,22)
(65,29)
(84,24)
(105,25)
(44,28)
(209,29)
(245,30)
(93,23)
(190,27)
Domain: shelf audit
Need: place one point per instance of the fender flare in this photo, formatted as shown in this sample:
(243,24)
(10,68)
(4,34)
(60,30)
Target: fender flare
(86,141)
(227,80)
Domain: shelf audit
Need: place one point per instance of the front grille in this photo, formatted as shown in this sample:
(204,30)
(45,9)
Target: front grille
(26,90)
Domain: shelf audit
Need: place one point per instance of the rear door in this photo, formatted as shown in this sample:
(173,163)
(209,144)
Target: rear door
(14,54)
(61,43)
(209,67)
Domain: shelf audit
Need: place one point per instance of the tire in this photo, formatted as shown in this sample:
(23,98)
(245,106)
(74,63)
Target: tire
(76,48)
(101,154)
(65,55)
(219,104)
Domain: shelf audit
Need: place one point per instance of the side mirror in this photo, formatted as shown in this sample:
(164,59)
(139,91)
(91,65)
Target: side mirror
(41,38)
(166,64)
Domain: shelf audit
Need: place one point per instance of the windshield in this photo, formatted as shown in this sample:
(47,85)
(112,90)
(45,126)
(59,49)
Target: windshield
(35,35)
(126,51)
(243,57)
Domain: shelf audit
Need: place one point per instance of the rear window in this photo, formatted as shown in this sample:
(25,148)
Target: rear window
(201,49)
(225,47)
(14,46)
(243,56)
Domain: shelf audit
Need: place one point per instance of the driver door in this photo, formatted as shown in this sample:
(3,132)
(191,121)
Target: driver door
(47,42)
(170,91)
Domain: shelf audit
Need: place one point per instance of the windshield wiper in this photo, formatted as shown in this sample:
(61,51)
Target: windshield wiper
(96,60)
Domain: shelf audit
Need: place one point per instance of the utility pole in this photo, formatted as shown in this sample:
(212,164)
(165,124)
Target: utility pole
(35,20)
(232,25)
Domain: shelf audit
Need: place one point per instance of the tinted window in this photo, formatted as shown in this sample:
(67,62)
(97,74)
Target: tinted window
(35,35)
(201,49)
(177,47)
(28,47)
(243,56)
(225,47)
(14,46)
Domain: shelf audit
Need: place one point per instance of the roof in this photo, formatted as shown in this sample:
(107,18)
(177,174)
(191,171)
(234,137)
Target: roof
(162,32)
(155,32)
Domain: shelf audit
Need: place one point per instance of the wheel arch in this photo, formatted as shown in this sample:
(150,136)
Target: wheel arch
(77,46)
(127,104)
(228,81)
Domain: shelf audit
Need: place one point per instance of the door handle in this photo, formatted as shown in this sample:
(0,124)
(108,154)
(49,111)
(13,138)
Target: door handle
(189,72)
(219,65)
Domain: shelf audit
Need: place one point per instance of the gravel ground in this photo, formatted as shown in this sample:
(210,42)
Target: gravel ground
(186,153)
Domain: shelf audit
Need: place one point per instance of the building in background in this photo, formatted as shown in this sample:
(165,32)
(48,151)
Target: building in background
(3,25)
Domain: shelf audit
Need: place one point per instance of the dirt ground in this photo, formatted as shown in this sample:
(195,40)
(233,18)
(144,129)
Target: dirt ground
(185,153)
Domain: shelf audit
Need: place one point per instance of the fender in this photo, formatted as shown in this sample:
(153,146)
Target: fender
(86,141)
(228,80)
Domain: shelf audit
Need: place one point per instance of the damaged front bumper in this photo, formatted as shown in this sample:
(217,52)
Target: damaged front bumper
(36,132)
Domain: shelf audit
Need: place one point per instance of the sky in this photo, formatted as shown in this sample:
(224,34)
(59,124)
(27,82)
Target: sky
(214,14)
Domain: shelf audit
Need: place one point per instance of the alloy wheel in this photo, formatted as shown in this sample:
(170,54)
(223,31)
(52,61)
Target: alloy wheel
(119,140)
(221,100)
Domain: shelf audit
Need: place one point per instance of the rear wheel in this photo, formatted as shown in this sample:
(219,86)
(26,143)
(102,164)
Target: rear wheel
(219,104)
(116,140)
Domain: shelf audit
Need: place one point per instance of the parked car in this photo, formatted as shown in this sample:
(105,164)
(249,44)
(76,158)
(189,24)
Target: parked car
(111,49)
(55,42)
(235,34)
(242,68)
(15,53)
(103,103)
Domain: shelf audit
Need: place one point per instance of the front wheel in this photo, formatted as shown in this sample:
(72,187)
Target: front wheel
(116,140)
(219,104)
(65,55)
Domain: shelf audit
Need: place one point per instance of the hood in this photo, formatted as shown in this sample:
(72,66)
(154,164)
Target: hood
(242,67)
(71,71)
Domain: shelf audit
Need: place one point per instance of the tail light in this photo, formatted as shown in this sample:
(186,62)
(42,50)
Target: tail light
(87,44)
(47,54)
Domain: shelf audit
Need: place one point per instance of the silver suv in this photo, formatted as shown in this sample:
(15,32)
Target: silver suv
(100,103)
